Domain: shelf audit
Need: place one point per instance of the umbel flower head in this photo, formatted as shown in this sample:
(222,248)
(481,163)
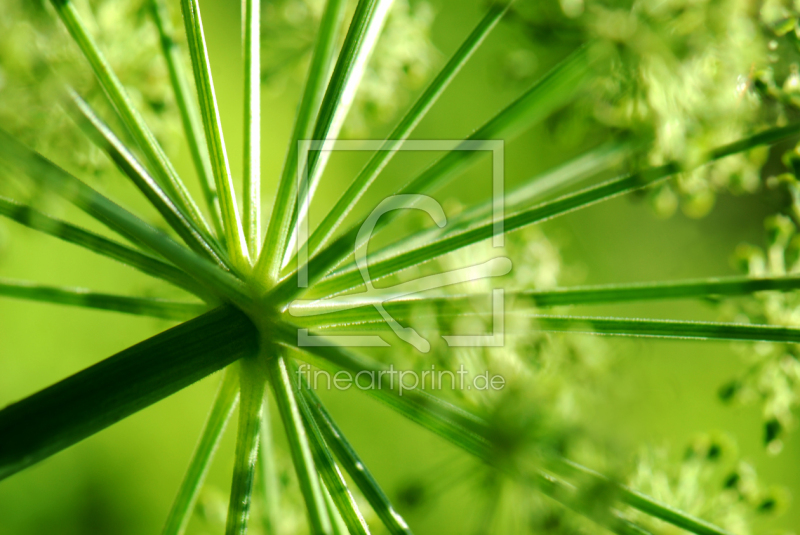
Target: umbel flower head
(272,297)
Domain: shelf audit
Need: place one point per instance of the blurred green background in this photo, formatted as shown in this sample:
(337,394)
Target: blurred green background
(122,480)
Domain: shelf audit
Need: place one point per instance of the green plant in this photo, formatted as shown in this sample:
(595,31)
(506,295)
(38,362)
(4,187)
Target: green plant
(243,321)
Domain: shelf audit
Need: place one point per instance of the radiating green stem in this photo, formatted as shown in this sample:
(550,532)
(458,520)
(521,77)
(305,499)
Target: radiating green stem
(323,459)
(547,95)
(362,35)
(338,525)
(224,402)
(463,429)
(253,383)
(234,234)
(184,97)
(118,219)
(104,138)
(269,261)
(142,306)
(269,481)
(608,190)
(25,215)
(101,395)
(404,128)
(299,447)
(252,125)
(130,117)
(354,466)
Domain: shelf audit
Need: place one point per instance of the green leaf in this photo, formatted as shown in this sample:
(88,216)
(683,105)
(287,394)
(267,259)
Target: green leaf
(234,234)
(253,387)
(352,278)
(145,263)
(224,402)
(102,136)
(323,459)
(252,125)
(285,395)
(164,171)
(184,97)
(354,466)
(118,219)
(101,395)
(142,306)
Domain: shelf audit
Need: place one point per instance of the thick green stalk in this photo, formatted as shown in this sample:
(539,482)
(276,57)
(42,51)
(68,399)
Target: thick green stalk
(101,395)
(269,261)
(253,387)
(234,234)
(404,128)
(351,278)
(224,402)
(354,466)
(184,97)
(102,136)
(25,215)
(299,447)
(142,306)
(118,219)
(252,125)
(130,117)
(338,525)
(323,459)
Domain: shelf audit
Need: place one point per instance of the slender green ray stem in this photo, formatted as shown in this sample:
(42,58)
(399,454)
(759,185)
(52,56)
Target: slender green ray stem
(104,138)
(130,117)
(297,436)
(101,395)
(547,95)
(118,219)
(253,386)
(404,128)
(252,125)
(351,278)
(331,475)
(362,35)
(184,97)
(692,330)
(338,525)
(402,310)
(269,261)
(25,215)
(78,297)
(354,466)
(234,234)
(269,480)
(467,431)
(226,398)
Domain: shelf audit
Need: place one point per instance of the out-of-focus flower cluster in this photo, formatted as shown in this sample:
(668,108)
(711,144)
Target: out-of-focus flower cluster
(401,61)
(710,481)
(772,376)
(689,75)
(38,59)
